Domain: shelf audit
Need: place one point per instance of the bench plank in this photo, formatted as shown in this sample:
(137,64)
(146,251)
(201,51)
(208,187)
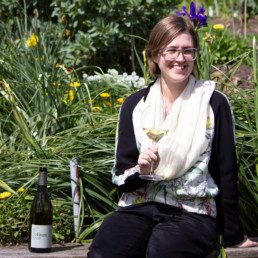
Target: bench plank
(76,250)
(68,250)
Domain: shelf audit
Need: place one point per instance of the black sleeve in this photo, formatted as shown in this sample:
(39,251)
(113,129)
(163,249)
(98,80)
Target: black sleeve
(223,169)
(126,149)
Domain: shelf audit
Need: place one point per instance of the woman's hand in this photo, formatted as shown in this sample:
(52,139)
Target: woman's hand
(146,158)
(247,243)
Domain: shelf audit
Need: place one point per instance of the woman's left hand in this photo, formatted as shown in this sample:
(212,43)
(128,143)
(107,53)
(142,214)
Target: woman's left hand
(247,243)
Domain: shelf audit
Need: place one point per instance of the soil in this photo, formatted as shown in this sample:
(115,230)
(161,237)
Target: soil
(251,26)
(244,74)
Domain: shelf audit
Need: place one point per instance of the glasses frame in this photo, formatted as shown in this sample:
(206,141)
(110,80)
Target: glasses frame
(180,51)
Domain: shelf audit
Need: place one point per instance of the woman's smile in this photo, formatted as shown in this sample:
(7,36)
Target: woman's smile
(178,67)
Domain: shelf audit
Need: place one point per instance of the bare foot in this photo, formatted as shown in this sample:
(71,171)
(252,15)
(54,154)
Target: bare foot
(247,243)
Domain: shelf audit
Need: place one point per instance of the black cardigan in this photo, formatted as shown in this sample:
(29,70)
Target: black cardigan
(222,165)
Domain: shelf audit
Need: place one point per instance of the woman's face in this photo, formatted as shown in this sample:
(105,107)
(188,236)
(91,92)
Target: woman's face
(176,72)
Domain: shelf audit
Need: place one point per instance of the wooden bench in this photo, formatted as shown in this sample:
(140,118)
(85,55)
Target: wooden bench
(74,250)
(239,252)
(68,250)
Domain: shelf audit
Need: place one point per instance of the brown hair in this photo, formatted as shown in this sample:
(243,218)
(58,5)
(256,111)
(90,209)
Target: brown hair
(164,32)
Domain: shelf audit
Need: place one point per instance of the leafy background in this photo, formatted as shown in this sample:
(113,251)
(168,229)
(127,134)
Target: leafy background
(56,60)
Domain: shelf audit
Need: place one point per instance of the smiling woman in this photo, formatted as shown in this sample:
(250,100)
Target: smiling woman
(195,160)
(176,68)
(174,33)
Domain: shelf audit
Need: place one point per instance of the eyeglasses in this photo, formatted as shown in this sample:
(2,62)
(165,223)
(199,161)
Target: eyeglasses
(171,54)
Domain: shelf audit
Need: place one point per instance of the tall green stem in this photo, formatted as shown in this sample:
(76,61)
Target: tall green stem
(256,98)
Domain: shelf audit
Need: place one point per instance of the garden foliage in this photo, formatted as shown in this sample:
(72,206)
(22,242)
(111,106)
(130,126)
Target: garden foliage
(60,98)
(97,31)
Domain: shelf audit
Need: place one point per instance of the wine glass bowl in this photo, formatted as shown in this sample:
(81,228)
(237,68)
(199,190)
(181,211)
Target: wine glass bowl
(155,134)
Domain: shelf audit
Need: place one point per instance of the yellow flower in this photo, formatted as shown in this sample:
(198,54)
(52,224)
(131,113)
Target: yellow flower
(75,84)
(64,101)
(120,100)
(21,190)
(209,38)
(67,33)
(46,93)
(218,26)
(5,195)
(71,94)
(104,95)
(32,41)
(90,101)
(144,56)
(96,109)
(57,65)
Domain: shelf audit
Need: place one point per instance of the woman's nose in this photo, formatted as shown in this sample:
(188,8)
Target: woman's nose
(180,57)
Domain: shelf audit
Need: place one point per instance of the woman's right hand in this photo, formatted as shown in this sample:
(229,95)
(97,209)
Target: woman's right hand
(146,158)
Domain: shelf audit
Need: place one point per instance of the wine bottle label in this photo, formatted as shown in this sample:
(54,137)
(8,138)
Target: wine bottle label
(41,236)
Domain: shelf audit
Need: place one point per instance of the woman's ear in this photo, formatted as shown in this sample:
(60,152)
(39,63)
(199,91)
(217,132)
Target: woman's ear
(155,59)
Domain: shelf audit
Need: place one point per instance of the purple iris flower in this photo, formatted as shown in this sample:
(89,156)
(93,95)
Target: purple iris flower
(199,19)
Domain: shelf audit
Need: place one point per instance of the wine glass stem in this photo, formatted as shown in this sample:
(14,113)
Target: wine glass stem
(152,162)
(152,170)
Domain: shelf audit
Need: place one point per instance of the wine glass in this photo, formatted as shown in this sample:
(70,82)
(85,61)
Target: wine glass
(150,123)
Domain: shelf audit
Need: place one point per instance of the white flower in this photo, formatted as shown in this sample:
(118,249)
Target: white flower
(142,82)
(129,78)
(136,77)
(113,71)
(113,75)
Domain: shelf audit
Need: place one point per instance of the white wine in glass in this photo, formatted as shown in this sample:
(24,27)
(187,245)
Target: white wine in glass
(155,133)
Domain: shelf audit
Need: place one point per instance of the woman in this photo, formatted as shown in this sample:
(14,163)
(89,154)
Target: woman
(181,215)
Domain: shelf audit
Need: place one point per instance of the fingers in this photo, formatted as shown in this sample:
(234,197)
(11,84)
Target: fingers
(144,162)
(148,158)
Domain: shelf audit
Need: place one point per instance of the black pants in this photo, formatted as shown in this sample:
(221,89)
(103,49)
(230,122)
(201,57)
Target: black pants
(154,230)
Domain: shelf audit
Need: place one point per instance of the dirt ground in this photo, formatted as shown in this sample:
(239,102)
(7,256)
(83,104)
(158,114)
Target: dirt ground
(251,26)
(244,74)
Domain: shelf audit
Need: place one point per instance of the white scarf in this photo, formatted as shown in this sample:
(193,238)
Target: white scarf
(185,141)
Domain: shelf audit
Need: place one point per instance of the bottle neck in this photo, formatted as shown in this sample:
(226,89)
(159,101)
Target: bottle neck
(43,178)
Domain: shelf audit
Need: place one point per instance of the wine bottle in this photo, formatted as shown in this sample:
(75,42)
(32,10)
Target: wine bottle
(41,213)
